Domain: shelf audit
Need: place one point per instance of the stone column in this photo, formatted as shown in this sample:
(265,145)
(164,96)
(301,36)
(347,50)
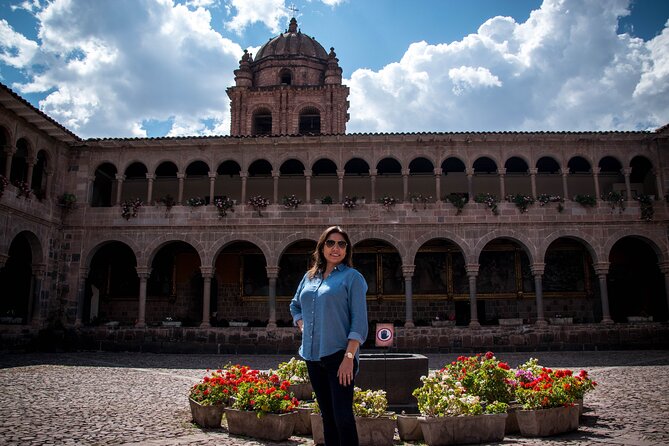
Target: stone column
(119,188)
(437,184)
(538,272)
(34,306)
(149,190)
(207,274)
(212,185)
(81,295)
(244,176)
(9,154)
(307,184)
(664,267)
(89,190)
(143,274)
(602,270)
(405,184)
(595,178)
(533,180)
(502,186)
(407,271)
(180,194)
(658,185)
(472,272)
(470,183)
(628,187)
(372,179)
(272,274)
(340,184)
(275,177)
(29,174)
(565,191)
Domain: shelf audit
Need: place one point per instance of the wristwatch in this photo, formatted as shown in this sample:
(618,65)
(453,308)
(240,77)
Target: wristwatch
(349,355)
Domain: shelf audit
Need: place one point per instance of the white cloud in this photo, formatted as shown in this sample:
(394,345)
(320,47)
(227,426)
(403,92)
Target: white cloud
(248,12)
(115,65)
(333,3)
(565,68)
(15,50)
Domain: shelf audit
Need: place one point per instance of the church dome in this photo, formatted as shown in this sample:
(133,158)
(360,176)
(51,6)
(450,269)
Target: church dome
(290,44)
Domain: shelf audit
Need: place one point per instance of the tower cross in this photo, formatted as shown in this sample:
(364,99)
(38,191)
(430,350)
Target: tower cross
(293,8)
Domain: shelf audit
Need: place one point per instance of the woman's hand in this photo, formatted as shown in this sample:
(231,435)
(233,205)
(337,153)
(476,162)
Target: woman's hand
(345,372)
(300,325)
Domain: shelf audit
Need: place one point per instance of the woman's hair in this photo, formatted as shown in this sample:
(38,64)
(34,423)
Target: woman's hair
(318,258)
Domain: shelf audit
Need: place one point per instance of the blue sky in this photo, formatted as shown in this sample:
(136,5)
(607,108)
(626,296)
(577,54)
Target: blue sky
(134,68)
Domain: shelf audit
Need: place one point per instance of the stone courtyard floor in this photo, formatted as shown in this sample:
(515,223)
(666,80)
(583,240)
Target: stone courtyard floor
(99,398)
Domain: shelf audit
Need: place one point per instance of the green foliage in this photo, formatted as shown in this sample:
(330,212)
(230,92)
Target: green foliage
(489,200)
(369,403)
(585,200)
(459,200)
(294,371)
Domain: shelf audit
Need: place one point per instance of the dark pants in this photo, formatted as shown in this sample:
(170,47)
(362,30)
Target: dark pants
(334,400)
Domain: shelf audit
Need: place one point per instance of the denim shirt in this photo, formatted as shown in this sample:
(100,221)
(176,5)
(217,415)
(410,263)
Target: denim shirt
(333,311)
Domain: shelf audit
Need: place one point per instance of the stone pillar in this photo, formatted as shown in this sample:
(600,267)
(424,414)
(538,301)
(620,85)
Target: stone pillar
(538,272)
(407,271)
(664,267)
(244,176)
(119,188)
(143,274)
(405,184)
(437,184)
(212,185)
(149,190)
(533,180)
(565,191)
(502,185)
(602,270)
(89,190)
(272,274)
(470,183)
(658,185)
(340,184)
(180,194)
(628,187)
(307,184)
(207,274)
(595,178)
(34,305)
(372,179)
(472,273)
(9,154)
(275,177)
(29,174)
(81,295)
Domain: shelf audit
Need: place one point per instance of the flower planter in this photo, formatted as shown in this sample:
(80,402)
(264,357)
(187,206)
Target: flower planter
(409,428)
(511,424)
(274,427)
(546,422)
(302,391)
(303,421)
(206,416)
(375,431)
(463,429)
(317,428)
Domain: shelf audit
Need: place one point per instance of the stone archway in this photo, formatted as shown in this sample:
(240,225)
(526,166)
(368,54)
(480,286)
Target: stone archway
(16,282)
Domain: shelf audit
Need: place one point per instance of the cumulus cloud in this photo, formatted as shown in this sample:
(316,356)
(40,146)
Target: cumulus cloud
(565,68)
(110,67)
(247,12)
(15,49)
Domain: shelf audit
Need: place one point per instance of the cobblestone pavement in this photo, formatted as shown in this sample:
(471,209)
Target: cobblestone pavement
(98,398)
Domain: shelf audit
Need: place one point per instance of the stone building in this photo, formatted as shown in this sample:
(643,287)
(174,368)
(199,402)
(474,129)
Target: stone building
(560,228)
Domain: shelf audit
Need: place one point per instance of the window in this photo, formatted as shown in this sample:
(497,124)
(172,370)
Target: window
(310,121)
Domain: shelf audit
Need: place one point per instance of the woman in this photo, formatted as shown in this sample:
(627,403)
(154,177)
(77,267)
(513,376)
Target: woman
(330,309)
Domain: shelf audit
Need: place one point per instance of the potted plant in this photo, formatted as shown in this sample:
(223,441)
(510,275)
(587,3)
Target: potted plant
(350,202)
(615,200)
(419,198)
(388,201)
(4,182)
(375,425)
(295,371)
(291,202)
(646,206)
(67,201)
(258,203)
(585,200)
(22,189)
(263,408)
(129,208)
(544,199)
(489,200)
(223,205)
(326,200)
(196,202)
(458,200)
(168,201)
(521,201)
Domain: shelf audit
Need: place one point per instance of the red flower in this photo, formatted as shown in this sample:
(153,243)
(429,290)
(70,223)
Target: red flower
(489,355)
(504,366)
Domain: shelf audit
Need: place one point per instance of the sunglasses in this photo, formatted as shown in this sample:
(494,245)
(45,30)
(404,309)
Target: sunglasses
(341,243)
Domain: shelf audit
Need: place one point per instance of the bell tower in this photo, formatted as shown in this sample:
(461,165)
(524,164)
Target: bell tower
(292,87)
